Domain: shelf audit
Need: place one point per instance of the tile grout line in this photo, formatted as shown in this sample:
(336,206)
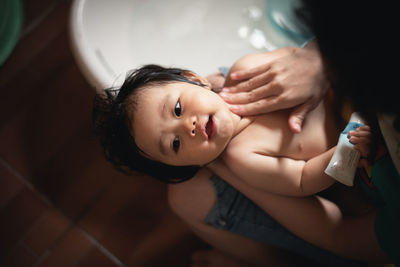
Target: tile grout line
(24,181)
(47,252)
(106,252)
(42,258)
(92,239)
(74,223)
(34,24)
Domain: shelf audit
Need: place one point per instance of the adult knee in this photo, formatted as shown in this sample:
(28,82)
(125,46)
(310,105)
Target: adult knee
(193,199)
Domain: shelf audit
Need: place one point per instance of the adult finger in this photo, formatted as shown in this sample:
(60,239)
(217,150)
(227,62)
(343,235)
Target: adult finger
(298,115)
(265,91)
(261,106)
(248,73)
(260,80)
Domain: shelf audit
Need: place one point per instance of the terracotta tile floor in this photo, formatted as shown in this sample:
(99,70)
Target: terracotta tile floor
(61,203)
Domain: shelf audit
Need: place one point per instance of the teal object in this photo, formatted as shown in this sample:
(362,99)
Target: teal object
(283,17)
(387,181)
(11,20)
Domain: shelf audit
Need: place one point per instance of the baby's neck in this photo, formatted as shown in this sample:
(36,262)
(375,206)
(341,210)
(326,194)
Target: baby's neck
(242,123)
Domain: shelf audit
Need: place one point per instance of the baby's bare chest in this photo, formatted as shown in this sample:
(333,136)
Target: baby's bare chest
(270,135)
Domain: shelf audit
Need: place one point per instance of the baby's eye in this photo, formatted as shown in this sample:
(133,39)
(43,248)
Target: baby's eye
(175,144)
(178,108)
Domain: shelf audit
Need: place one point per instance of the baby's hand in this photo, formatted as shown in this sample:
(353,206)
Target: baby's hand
(361,138)
(217,81)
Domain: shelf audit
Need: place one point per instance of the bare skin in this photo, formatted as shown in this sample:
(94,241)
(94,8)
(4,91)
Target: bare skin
(185,124)
(267,147)
(290,77)
(202,197)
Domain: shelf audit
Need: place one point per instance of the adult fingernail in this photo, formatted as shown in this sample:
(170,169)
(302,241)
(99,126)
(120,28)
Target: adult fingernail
(225,89)
(234,108)
(224,96)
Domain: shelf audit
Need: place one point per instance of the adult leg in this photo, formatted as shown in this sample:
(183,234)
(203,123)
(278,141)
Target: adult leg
(318,221)
(193,200)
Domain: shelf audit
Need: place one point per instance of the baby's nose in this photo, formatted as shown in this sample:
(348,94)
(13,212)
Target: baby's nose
(191,126)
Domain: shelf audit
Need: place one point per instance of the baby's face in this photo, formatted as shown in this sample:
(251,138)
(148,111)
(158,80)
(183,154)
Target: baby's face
(182,124)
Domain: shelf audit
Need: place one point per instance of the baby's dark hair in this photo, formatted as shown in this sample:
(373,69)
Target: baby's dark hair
(112,124)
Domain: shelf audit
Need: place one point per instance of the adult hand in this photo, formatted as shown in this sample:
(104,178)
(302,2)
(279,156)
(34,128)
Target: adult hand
(294,80)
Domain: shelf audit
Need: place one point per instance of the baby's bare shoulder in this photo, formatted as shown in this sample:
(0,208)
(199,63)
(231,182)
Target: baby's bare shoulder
(240,150)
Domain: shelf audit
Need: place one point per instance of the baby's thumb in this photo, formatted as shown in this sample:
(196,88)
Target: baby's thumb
(297,117)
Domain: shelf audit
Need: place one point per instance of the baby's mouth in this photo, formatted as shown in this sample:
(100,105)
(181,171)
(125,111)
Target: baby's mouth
(210,127)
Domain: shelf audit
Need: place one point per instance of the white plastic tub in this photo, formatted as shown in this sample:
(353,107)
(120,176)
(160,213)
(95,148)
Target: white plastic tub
(110,37)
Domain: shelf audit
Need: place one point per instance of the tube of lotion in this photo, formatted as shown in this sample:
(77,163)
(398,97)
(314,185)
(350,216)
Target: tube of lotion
(344,162)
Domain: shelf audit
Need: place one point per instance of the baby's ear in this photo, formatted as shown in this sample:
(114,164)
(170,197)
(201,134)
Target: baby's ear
(197,79)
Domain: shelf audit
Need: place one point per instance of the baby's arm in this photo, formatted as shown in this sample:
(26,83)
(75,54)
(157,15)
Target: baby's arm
(280,175)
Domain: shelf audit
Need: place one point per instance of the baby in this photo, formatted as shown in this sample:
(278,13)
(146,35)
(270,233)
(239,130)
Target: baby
(168,123)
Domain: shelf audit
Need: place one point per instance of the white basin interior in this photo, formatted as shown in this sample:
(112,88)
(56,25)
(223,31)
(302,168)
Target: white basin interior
(109,38)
